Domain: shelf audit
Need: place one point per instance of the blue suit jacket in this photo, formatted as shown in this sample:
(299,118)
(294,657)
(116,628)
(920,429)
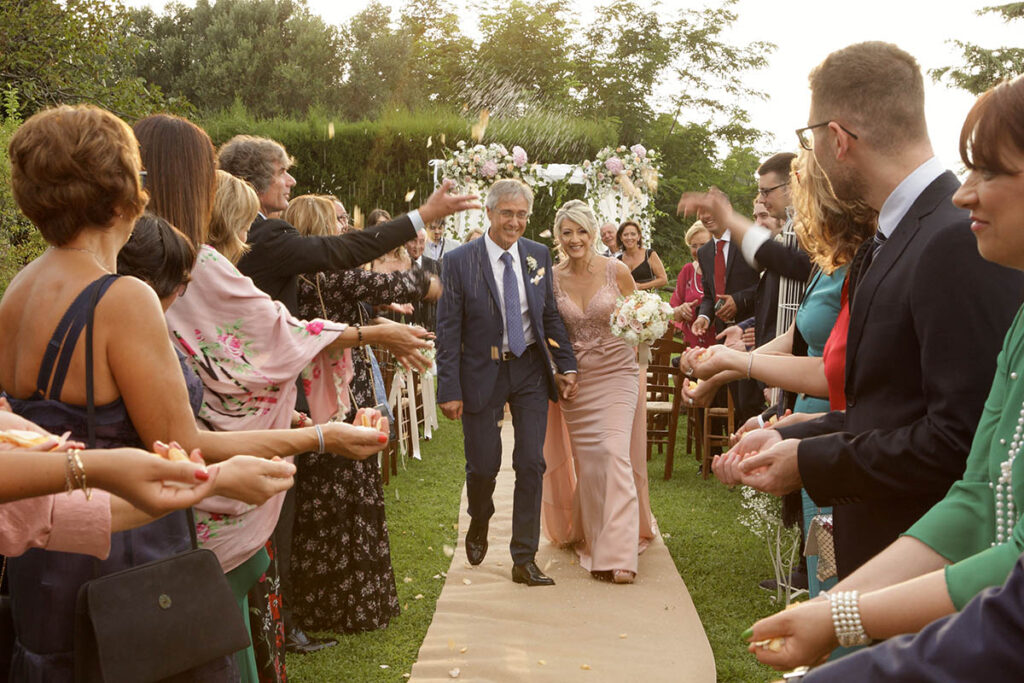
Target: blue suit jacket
(470,325)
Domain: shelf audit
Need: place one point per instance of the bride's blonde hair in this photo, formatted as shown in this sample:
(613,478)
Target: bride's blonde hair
(581,214)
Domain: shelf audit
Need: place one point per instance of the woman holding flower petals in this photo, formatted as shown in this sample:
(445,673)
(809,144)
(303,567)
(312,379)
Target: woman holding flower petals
(595,486)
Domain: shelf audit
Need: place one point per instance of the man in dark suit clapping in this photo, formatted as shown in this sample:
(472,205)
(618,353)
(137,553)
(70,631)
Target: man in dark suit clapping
(927,318)
(730,286)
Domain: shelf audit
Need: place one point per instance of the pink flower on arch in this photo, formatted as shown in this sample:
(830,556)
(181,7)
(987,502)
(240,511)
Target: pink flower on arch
(639,150)
(614,165)
(519,156)
(489,169)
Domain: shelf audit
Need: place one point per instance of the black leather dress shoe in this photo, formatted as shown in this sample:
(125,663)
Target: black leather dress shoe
(298,643)
(530,574)
(476,542)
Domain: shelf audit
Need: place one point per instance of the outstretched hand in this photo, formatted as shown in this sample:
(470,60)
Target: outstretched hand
(775,470)
(152,484)
(805,636)
(442,203)
(712,202)
(727,465)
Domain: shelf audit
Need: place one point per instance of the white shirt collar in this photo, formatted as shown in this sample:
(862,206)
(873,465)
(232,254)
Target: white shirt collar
(726,237)
(906,193)
(494,252)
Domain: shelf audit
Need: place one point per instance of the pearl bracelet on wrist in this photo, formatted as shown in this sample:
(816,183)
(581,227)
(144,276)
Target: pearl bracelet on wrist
(846,618)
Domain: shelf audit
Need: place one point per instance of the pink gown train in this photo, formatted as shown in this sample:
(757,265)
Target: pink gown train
(595,485)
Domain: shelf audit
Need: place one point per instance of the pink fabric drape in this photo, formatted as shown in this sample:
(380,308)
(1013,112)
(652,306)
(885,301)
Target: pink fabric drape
(249,352)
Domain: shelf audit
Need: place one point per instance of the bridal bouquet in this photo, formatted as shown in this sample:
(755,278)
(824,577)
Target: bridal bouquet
(640,318)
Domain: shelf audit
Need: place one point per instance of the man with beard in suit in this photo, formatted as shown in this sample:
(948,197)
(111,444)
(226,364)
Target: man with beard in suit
(916,374)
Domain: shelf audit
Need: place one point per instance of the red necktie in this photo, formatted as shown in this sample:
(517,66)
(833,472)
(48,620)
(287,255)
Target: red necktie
(719,267)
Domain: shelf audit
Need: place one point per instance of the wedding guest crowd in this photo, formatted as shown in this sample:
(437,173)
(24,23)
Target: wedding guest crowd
(230,349)
(175,265)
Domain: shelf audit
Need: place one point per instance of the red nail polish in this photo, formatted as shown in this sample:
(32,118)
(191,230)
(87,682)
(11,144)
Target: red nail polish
(382,438)
(202,475)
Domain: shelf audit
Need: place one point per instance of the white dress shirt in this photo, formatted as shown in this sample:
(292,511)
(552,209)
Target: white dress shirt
(437,250)
(727,238)
(494,253)
(906,193)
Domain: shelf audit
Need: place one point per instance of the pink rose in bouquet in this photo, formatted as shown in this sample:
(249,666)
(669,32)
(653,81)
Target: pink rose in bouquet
(639,150)
(489,169)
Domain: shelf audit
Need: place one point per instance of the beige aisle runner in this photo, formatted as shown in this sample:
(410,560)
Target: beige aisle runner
(487,628)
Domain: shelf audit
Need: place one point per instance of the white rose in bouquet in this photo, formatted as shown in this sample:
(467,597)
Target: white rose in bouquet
(640,318)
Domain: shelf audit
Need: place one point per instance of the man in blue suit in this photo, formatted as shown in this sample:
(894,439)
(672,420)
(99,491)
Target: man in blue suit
(498,333)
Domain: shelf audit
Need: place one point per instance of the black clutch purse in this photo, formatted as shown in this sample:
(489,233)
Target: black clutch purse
(156,620)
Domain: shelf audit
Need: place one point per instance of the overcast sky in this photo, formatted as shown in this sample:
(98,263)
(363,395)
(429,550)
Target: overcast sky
(805,32)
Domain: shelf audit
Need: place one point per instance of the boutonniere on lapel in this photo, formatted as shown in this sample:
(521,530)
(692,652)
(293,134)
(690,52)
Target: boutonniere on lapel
(531,266)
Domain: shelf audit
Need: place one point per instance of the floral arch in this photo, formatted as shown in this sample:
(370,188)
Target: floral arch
(620,183)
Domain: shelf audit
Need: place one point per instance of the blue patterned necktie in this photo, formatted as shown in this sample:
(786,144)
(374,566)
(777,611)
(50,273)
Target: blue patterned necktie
(513,314)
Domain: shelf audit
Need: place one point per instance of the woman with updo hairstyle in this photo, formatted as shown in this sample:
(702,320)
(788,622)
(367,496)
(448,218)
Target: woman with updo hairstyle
(395,260)
(76,174)
(341,559)
(645,265)
(595,484)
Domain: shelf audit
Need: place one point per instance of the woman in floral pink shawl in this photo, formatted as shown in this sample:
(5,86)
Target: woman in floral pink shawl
(249,351)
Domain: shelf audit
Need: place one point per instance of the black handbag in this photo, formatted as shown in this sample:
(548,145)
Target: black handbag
(156,620)
(153,621)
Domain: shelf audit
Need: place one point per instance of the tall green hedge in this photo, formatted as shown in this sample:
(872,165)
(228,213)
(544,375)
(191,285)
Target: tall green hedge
(374,164)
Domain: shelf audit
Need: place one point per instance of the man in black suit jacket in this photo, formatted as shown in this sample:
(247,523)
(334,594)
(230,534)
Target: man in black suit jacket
(278,255)
(737,303)
(425,312)
(927,318)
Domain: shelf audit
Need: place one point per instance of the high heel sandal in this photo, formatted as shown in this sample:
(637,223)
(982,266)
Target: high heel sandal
(623,576)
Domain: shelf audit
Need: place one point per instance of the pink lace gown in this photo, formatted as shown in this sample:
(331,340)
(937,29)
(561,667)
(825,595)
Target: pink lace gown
(595,485)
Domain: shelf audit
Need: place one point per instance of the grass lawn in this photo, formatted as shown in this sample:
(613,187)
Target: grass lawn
(720,560)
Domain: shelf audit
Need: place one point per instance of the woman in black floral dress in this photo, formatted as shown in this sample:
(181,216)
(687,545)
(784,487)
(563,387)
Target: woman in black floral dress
(341,558)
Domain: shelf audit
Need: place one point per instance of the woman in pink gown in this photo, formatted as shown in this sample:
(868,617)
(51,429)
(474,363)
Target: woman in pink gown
(595,485)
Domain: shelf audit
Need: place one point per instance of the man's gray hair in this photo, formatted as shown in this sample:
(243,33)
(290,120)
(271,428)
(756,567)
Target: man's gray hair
(509,188)
(253,158)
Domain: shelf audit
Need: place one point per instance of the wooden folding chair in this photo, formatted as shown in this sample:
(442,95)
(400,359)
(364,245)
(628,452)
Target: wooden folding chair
(715,420)
(664,398)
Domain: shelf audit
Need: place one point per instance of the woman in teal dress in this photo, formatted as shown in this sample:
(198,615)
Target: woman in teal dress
(830,231)
(972,538)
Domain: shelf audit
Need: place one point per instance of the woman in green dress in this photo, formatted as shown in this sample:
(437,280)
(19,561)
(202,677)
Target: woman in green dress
(972,538)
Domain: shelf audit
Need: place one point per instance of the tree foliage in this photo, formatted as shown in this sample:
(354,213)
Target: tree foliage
(274,56)
(74,51)
(983,67)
